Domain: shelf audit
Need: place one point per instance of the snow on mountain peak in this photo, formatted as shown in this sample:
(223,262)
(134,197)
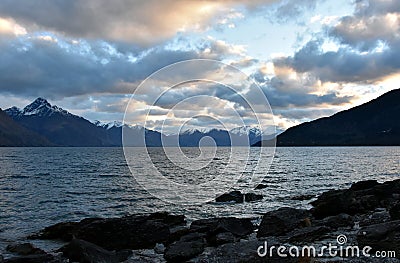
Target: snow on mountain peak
(246,130)
(41,107)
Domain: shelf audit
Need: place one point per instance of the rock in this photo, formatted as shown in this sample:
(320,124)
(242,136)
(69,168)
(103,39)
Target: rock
(281,221)
(1,259)
(238,197)
(383,236)
(159,248)
(334,222)
(307,234)
(234,196)
(261,186)
(39,258)
(63,231)
(251,197)
(82,251)
(129,232)
(186,248)
(24,249)
(241,252)
(145,256)
(239,227)
(361,198)
(363,185)
(375,217)
(225,237)
(395,212)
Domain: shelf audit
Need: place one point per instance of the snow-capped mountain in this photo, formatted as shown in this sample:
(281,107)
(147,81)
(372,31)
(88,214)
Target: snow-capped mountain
(198,130)
(108,125)
(40,107)
(246,130)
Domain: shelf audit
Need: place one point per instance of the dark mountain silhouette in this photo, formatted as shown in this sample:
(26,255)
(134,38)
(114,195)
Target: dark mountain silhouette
(13,134)
(59,126)
(375,123)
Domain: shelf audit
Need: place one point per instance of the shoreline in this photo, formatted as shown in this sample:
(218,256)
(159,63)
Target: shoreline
(367,213)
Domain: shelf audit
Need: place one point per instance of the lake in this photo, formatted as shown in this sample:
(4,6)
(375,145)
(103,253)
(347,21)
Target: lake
(43,186)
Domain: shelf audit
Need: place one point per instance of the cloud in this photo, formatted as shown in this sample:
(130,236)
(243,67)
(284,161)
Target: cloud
(374,22)
(288,10)
(56,67)
(368,47)
(142,22)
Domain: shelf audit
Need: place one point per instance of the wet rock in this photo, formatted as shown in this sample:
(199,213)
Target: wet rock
(383,236)
(40,258)
(334,222)
(129,232)
(82,251)
(24,249)
(234,196)
(251,197)
(186,248)
(361,198)
(308,234)
(145,256)
(241,252)
(238,197)
(363,185)
(281,221)
(376,217)
(222,238)
(63,231)
(159,248)
(395,212)
(239,227)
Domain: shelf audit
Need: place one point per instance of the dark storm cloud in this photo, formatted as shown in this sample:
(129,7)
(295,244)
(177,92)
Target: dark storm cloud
(39,67)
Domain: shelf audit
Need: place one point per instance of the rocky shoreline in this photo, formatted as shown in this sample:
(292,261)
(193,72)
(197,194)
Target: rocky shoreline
(365,215)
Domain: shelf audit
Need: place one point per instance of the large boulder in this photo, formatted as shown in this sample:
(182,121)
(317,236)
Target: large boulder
(24,249)
(238,197)
(383,236)
(234,196)
(187,247)
(129,232)
(243,252)
(239,227)
(282,221)
(82,251)
(36,258)
(362,197)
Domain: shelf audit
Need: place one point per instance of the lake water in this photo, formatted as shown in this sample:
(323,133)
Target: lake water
(44,186)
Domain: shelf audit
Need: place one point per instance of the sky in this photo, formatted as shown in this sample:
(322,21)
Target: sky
(310,58)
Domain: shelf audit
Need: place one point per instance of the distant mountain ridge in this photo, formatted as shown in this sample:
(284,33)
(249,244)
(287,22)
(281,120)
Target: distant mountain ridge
(375,123)
(58,127)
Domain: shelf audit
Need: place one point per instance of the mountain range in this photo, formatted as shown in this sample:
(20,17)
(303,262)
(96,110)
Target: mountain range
(43,124)
(375,123)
